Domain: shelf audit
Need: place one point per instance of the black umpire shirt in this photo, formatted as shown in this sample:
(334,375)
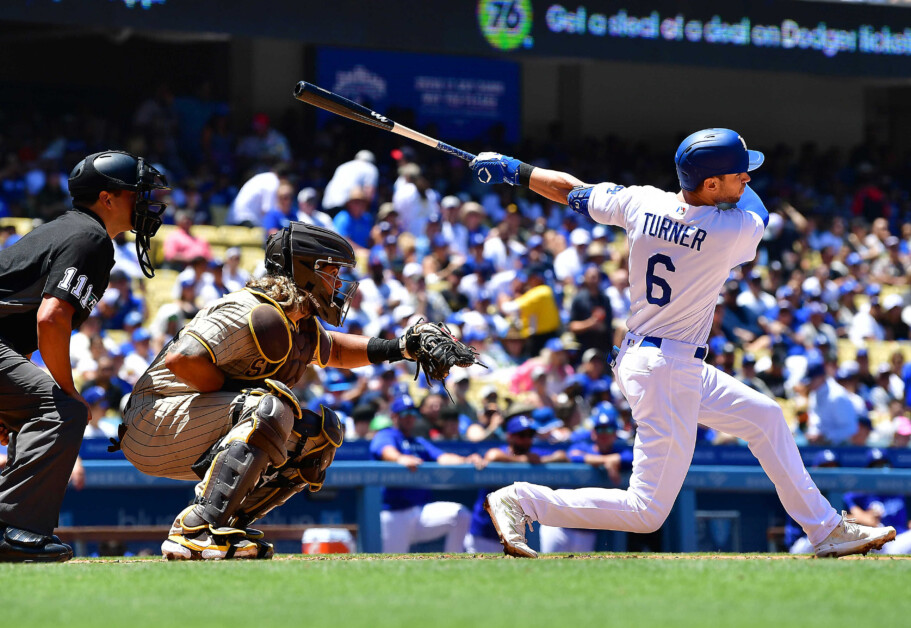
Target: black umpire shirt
(69,258)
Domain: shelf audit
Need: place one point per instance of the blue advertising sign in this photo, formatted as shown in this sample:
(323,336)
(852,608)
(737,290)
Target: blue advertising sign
(462,97)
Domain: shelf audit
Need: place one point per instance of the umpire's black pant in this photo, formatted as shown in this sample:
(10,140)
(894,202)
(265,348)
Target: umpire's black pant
(48,426)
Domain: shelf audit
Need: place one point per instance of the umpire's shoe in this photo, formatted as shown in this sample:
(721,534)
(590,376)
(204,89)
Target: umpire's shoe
(853,538)
(21,546)
(202,542)
(509,520)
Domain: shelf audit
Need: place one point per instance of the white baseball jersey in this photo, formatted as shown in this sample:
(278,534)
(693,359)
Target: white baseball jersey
(680,256)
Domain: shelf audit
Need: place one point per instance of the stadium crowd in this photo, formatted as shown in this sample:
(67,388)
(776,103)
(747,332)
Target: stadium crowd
(820,320)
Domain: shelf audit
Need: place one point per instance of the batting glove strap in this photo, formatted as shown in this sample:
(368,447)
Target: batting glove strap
(577,199)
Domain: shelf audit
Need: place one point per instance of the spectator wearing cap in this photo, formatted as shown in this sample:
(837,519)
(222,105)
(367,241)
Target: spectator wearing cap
(425,302)
(535,306)
(353,222)
(257,196)
(408,515)
(125,258)
(172,315)
(380,290)
(360,173)
(893,320)
(519,448)
(387,223)
(284,212)
(233,276)
(816,326)
(137,360)
(865,325)
(568,263)
(891,268)
(794,538)
(119,301)
(757,301)
(590,311)
(877,510)
(833,414)
(358,427)
(451,227)
(748,376)
(415,200)
(105,376)
(98,426)
(213,282)
(738,323)
(472,215)
(181,246)
(308,212)
(461,381)
(539,396)
(503,246)
(442,261)
(887,388)
(861,437)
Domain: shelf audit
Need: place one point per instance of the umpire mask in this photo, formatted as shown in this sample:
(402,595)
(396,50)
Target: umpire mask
(119,170)
(303,252)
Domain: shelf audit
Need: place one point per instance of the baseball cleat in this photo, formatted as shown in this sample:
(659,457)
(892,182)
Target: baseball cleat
(22,546)
(509,521)
(853,538)
(202,542)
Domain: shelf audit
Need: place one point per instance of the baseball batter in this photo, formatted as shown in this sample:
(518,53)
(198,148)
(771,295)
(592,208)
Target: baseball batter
(216,403)
(682,248)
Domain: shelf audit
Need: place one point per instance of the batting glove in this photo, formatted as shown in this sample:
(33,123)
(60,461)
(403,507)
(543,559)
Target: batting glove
(496,168)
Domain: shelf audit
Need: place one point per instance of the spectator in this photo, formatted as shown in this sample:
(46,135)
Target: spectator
(257,197)
(490,420)
(353,222)
(535,306)
(181,246)
(284,212)
(590,311)
(833,415)
(520,434)
(408,515)
(748,375)
(568,264)
(307,211)
(265,146)
(232,274)
(119,301)
(138,359)
(359,174)
(98,426)
(415,200)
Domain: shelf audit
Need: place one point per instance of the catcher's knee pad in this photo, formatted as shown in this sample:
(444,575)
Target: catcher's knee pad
(270,426)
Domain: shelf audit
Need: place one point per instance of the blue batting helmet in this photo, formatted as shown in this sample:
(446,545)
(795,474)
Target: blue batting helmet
(712,153)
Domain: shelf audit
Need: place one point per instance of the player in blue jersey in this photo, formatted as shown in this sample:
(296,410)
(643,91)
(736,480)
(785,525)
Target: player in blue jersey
(408,515)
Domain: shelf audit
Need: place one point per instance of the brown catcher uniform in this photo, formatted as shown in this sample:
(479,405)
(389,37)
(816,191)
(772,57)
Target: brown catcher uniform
(171,426)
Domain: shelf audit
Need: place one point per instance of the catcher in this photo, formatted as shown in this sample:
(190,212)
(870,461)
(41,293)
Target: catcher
(216,404)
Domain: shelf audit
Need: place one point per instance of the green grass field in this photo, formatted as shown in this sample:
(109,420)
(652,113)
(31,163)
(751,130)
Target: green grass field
(427,591)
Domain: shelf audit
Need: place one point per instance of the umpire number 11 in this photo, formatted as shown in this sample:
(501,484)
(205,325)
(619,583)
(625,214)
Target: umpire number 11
(77,290)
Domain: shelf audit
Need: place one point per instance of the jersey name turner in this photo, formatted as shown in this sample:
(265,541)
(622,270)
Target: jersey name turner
(672,231)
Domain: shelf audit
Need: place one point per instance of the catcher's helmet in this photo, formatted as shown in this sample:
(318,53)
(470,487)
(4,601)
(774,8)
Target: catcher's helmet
(299,251)
(711,153)
(119,170)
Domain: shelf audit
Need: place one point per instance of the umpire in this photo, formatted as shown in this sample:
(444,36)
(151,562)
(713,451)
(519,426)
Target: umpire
(49,282)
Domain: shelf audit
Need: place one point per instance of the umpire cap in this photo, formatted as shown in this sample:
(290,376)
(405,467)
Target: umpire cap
(712,153)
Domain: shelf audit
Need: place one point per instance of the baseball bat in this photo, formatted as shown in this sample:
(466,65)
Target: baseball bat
(339,105)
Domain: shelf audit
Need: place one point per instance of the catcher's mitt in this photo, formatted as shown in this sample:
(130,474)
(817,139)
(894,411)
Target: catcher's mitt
(435,350)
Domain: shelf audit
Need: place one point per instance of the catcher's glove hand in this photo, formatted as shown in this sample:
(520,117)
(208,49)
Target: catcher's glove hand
(433,347)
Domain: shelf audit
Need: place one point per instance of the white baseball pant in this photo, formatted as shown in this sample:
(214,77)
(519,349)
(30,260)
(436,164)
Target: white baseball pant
(419,524)
(669,390)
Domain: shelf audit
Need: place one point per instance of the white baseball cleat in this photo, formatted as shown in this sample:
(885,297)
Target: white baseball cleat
(509,520)
(853,538)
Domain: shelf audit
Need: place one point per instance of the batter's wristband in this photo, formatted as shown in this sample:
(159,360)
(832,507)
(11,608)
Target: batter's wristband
(380,350)
(525,173)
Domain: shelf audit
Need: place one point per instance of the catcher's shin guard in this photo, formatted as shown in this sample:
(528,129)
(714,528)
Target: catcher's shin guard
(248,449)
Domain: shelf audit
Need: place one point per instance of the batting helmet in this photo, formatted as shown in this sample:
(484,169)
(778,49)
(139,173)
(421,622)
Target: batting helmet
(711,153)
(119,170)
(300,251)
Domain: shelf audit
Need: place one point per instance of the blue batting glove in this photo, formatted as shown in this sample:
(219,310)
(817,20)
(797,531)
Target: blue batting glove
(495,168)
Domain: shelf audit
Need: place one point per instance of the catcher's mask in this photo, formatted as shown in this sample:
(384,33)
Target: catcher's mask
(302,251)
(119,170)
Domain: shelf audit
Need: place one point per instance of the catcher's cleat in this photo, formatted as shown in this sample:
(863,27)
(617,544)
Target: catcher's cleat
(202,542)
(853,538)
(509,521)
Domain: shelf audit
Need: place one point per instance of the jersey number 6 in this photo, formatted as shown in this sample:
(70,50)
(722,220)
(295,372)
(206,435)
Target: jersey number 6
(652,280)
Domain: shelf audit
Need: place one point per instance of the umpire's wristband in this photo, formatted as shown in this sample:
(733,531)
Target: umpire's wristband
(525,173)
(380,350)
